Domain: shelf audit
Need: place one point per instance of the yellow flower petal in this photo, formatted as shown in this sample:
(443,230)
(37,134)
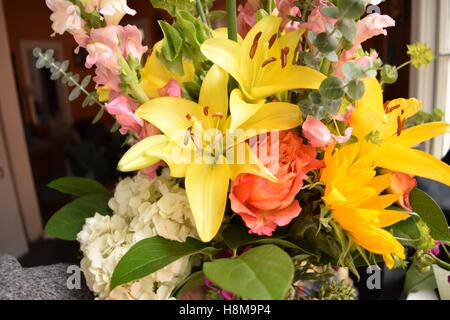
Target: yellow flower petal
(273,117)
(240,110)
(214,91)
(411,161)
(290,77)
(248,164)
(390,217)
(207,190)
(136,157)
(418,134)
(373,96)
(226,54)
(170,115)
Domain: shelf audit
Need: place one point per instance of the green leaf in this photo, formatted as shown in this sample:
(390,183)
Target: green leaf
(326,42)
(416,281)
(351,9)
(389,74)
(217,15)
(75,94)
(263,273)
(68,221)
(172,6)
(99,116)
(406,231)
(431,214)
(151,255)
(195,280)
(172,43)
(352,71)
(236,237)
(348,28)
(260,14)
(78,186)
(332,12)
(332,88)
(355,89)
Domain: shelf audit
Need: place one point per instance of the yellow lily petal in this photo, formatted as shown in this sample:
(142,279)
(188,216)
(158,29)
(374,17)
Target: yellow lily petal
(214,91)
(169,114)
(290,77)
(226,54)
(178,159)
(240,110)
(373,96)
(291,40)
(207,190)
(272,117)
(250,164)
(418,134)
(411,161)
(136,157)
(155,75)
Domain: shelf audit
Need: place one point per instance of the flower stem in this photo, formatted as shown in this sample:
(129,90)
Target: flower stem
(407,63)
(231,17)
(201,11)
(441,263)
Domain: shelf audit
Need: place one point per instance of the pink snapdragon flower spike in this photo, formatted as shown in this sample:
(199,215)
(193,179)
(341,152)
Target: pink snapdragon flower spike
(66,18)
(246,18)
(171,89)
(105,47)
(317,21)
(123,109)
(370,26)
(317,133)
(346,137)
(287,9)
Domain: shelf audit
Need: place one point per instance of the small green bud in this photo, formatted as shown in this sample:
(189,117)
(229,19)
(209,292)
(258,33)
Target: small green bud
(389,74)
(421,54)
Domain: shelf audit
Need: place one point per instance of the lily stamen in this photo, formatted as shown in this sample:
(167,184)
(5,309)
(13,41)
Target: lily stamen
(268,61)
(284,54)
(255,45)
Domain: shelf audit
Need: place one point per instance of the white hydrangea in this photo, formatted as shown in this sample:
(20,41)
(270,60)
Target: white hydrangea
(143,208)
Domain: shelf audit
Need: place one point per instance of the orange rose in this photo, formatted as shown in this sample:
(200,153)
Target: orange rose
(264,205)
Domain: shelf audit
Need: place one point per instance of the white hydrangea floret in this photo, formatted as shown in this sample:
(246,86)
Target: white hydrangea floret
(142,208)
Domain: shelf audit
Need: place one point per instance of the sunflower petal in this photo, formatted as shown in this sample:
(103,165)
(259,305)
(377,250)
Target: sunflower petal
(390,217)
(207,189)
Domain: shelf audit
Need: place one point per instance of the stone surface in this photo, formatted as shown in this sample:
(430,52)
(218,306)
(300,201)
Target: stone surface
(41,283)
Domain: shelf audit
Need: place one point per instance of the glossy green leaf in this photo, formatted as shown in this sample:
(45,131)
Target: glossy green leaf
(262,273)
(68,221)
(431,214)
(151,255)
(78,186)
(416,281)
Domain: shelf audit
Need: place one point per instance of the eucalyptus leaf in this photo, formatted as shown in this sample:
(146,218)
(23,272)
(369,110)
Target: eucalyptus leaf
(351,9)
(332,12)
(355,89)
(332,88)
(347,27)
(99,116)
(76,92)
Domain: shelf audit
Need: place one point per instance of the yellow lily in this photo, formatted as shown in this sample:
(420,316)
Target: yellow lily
(353,193)
(155,75)
(379,129)
(206,160)
(262,63)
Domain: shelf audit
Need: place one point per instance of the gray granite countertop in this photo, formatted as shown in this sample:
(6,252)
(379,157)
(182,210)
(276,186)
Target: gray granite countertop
(40,283)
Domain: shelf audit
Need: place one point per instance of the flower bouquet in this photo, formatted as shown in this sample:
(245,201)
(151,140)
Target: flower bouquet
(267,164)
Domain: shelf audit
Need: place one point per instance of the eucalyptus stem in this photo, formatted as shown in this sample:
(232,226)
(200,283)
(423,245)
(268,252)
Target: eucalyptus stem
(201,11)
(407,63)
(231,17)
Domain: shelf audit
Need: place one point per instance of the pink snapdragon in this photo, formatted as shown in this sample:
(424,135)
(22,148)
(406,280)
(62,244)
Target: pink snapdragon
(112,10)
(370,26)
(246,18)
(104,48)
(287,9)
(317,21)
(171,89)
(123,109)
(318,134)
(66,18)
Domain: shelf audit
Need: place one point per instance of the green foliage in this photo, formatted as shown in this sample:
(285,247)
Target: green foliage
(422,117)
(347,27)
(320,107)
(351,9)
(389,74)
(262,273)
(151,255)
(326,42)
(78,186)
(430,212)
(332,88)
(68,221)
(59,71)
(417,281)
(355,89)
(173,6)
